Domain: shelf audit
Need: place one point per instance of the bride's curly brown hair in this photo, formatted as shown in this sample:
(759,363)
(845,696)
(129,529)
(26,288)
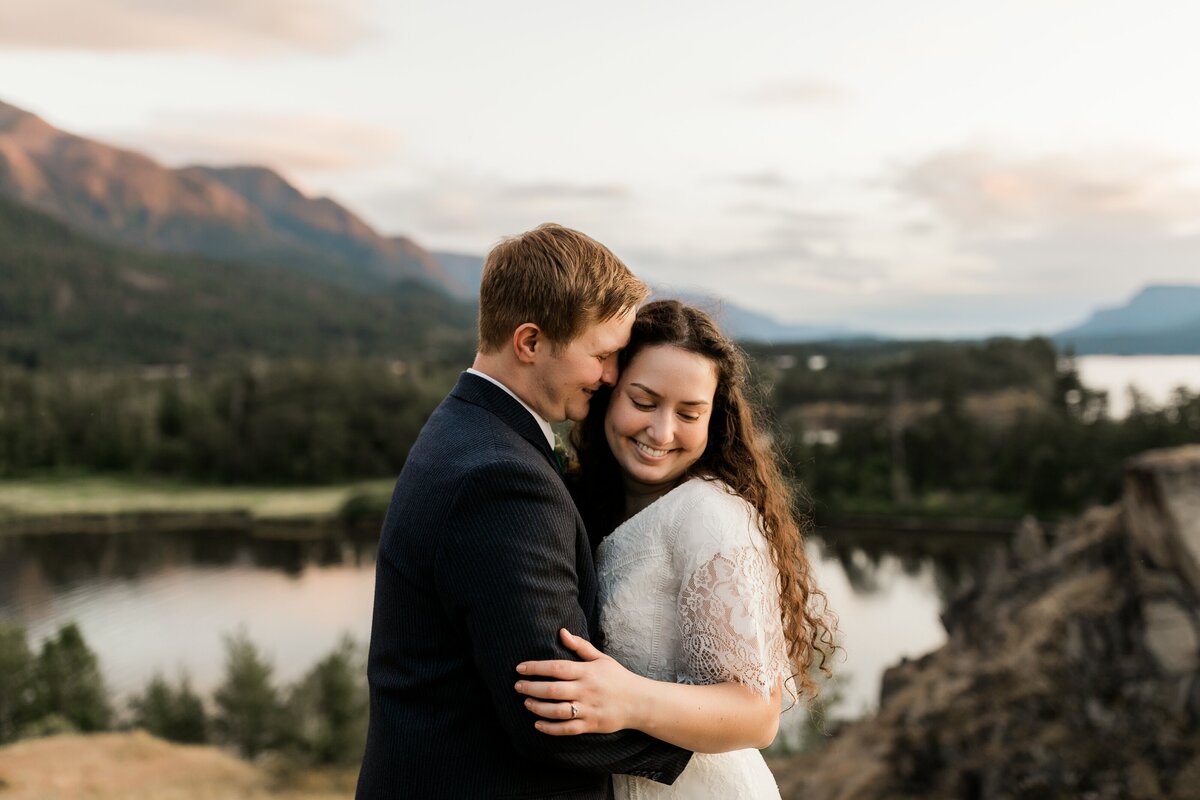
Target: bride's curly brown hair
(740,452)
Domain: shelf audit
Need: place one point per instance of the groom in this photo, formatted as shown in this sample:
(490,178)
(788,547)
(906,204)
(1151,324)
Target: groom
(483,557)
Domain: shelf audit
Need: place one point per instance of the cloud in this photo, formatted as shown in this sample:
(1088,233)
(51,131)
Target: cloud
(768,179)
(988,196)
(535,193)
(466,211)
(244,27)
(1085,229)
(773,257)
(286,142)
(800,93)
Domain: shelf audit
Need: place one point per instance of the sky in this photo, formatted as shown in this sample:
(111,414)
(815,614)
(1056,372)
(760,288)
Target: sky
(926,168)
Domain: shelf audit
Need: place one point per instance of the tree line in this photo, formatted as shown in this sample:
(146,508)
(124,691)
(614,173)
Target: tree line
(275,422)
(909,432)
(912,437)
(321,719)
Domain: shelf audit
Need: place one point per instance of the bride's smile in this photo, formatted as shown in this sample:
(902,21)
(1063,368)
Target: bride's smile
(657,422)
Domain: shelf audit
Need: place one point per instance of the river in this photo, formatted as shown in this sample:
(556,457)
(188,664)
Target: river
(162,602)
(1154,377)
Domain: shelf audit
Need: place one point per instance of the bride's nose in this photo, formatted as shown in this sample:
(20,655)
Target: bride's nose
(661,429)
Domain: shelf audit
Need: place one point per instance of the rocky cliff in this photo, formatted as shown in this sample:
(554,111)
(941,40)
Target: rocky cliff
(1072,667)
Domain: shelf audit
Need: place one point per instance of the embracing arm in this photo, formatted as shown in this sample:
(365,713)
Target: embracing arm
(506,571)
(713,718)
(731,646)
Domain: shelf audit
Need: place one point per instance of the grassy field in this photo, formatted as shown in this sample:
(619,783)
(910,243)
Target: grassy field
(50,497)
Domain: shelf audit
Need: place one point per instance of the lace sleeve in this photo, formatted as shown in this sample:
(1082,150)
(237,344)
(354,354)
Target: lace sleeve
(729,622)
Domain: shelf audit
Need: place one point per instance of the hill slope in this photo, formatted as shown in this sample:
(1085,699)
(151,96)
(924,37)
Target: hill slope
(241,213)
(1159,319)
(108,766)
(67,299)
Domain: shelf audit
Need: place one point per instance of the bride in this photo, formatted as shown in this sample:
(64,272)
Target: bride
(708,609)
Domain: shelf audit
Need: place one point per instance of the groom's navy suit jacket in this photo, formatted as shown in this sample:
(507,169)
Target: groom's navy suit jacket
(482,558)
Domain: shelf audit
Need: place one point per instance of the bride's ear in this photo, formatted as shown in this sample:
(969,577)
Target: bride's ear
(526,341)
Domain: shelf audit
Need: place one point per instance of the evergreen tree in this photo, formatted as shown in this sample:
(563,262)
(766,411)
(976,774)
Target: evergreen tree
(171,712)
(16,681)
(249,713)
(327,708)
(67,682)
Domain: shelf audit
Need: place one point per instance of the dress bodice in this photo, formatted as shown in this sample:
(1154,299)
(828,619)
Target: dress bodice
(689,594)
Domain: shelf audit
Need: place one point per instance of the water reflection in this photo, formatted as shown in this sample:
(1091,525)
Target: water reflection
(67,559)
(888,589)
(151,602)
(868,557)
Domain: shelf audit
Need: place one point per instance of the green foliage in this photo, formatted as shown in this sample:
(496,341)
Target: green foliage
(324,720)
(249,716)
(49,725)
(327,708)
(172,712)
(16,682)
(365,506)
(908,440)
(67,682)
(870,372)
(68,300)
(267,422)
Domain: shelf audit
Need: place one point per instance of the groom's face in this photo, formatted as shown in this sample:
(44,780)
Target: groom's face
(568,376)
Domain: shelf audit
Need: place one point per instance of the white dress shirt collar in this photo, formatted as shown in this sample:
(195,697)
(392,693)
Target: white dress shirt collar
(545,426)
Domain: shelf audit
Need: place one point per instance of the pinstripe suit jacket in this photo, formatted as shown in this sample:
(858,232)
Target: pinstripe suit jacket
(482,558)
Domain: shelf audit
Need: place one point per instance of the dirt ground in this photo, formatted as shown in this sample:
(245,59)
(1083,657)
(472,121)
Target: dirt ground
(136,766)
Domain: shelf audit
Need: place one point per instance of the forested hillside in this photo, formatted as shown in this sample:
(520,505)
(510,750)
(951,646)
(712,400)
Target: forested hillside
(67,299)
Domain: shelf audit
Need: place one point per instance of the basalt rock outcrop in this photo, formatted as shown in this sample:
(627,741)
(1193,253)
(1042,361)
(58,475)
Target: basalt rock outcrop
(1071,670)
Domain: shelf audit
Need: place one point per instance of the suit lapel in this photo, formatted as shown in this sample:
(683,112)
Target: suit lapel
(485,394)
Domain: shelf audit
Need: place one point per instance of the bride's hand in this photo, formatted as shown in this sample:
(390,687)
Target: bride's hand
(603,694)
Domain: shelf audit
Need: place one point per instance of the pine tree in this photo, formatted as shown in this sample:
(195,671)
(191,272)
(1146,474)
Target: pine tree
(67,682)
(249,713)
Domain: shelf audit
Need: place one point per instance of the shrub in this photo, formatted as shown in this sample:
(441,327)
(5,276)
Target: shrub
(171,712)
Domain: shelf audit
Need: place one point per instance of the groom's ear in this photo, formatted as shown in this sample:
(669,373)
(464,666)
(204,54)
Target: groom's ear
(526,341)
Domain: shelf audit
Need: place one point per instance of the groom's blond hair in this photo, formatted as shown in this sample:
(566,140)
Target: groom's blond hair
(557,278)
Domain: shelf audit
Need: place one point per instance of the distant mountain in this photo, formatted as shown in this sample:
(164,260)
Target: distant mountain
(1154,308)
(465,270)
(242,213)
(67,299)
(739,322)
(751,326)
(1157,320)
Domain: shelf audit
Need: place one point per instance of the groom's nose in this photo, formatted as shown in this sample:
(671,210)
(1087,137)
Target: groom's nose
(608,371)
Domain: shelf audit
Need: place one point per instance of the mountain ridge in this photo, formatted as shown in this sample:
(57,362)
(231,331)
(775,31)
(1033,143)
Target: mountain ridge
(68,299)
(1158,319)
(248,213)
(738,321)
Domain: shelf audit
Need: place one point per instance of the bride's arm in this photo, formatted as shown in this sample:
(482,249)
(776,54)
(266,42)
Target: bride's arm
(607,697)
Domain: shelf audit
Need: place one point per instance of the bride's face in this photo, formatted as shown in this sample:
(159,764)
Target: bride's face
(657,420)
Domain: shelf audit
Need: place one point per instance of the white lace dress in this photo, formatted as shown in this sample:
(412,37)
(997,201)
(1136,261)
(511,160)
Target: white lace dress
(688,594)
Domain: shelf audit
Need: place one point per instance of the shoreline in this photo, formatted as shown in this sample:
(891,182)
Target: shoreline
(113,505)
(107,505)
